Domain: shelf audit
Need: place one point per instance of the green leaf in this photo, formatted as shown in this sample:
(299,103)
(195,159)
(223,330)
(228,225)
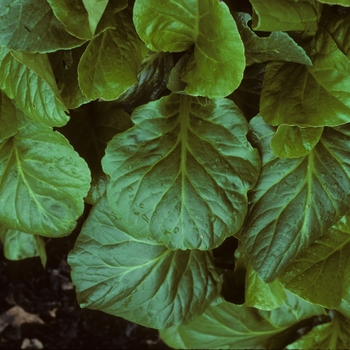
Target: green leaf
(19,245)
(181,174)
(83,22)
(30,25)
(216,66)
(317,95)
(333,335)
(38,98)
(65,70)
(278,46)
(138,279)
(228,326)
(42,182)
(293,141)
(261,295)
(321,273)
(336,2)
(152,79)
(111,62)
(286,15)
(295,200)
(11,118)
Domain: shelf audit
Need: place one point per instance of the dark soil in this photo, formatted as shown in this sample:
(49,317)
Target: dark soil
(49,294)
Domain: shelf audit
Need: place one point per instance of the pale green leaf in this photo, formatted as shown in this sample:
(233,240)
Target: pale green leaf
(28,25)
(278,46)
(286,15)
(42,182)
(321,273)
(19,245)
(216,66)
(293,141)
(181,174)
(77,20)
(228,326)
(334,335)
(111,62)
(261,295)
(295,200)
(37,98)
(138,279)
(65,69)
(11,118)
(336,2)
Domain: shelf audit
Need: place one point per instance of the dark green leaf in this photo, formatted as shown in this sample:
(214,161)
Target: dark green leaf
(30,25)
(42,182)
(111,62)
(38,98)
(295,200)
(216,67)
(139,279)
(181,174)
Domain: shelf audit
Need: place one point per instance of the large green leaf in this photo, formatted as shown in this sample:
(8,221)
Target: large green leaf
(228,326)
(278,46)
(295,200)
(216,67)
(286,15)
(321,273)
(138,279)
(19,245)
(42,182)
(38,97)
(293,141)
(181,174)
(83,21)
(11,118)
(318,95)
(333,335)
(30,25)
(112,60)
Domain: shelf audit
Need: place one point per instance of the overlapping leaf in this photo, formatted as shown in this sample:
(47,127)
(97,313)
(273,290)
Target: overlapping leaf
(112,60)
(321,273)
(38,98)
(11,118)
(216,67)
(42,182)
(139,279)
(293,141)
(30,25)
(228,326)
(286,15)
(295,200)
(278,46)
(181,174)
(318,95)
(333,335)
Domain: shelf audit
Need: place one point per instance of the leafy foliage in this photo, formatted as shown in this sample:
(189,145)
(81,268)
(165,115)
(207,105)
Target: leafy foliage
(212,140)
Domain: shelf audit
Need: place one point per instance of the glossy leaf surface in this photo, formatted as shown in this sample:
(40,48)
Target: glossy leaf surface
(181,174)
(139,279)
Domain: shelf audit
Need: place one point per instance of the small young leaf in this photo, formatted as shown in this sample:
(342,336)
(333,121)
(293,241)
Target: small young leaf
(30,25)
(138,279)
(42,182)
(181,174)
(216,66)
(293,141)
(295,200)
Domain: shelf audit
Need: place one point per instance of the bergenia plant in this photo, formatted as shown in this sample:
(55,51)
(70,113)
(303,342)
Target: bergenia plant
(211,140)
